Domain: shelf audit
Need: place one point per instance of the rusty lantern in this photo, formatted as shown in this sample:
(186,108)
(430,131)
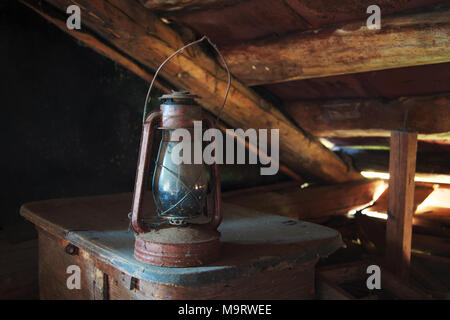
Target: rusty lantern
(183,230)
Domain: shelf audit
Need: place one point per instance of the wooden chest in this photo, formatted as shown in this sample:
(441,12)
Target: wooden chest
(263,256)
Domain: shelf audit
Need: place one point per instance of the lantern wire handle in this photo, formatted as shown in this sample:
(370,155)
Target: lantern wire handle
(148,97)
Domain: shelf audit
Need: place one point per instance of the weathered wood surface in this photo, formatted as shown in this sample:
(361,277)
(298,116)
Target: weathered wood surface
(102,280)
(255,19)
(402,168)
(175,5)
(426,80)
(404,40)
(373,117)
(431,215)
(421,192)
(98,227)
(310,203)
(144,37)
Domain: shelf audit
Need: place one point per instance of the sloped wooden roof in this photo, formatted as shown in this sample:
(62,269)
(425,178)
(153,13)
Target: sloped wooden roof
(313,64)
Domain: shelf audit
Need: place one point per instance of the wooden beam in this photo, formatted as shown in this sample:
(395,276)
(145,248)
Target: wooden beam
(402,168)
(373,230)
(428,115)
(176,5)
(143,36)
(404,40)
(378,160)
(311,203)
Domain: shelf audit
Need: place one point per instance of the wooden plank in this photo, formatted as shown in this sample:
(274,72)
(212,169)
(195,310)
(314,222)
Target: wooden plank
(309,203)
(288,280)
(427,164)
(421,192)
(402,166)
(149,42)
(388,84)
(176,5)
(245,20)
(372,117)
(404,40)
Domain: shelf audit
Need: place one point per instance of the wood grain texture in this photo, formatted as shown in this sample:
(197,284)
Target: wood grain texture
(295,281)
(429,164)
(262,255)
(243,21)
(311,203)
(404,40)
(426,80)
(236,21)
(145,38)
(402,168)
(427,115)
(175,5)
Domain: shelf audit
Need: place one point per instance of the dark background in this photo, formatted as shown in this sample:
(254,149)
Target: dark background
(71,120)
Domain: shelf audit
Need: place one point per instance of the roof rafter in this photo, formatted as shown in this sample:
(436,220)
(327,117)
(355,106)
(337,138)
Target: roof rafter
(405,39)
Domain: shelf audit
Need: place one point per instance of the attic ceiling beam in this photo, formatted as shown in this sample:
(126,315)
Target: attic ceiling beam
(176,5)
(404,40)
(428,115)
(142,36)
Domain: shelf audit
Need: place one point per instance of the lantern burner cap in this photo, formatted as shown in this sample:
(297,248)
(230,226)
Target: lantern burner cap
(178,95)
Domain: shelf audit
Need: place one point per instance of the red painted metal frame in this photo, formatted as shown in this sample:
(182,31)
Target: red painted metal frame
(151,123)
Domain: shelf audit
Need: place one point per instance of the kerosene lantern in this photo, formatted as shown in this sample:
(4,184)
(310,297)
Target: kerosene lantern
(183,230)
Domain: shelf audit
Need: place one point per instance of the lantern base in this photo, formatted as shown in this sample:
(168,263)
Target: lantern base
(189,246)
